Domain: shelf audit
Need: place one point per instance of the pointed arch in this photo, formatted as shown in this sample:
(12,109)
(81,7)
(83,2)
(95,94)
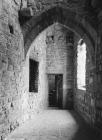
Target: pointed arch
(67,18)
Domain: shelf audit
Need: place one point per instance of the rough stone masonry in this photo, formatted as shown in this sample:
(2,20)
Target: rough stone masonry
(16,103)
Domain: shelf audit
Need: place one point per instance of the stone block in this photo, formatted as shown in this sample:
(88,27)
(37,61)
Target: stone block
(10,68)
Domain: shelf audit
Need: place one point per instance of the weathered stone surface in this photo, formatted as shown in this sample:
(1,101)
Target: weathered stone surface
(16,103)
(60,58)
(10,57)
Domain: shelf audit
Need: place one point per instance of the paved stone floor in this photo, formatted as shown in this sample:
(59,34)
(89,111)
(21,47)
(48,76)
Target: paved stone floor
(54,125)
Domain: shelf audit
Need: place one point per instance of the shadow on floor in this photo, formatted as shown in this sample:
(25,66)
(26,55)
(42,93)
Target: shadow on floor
(55,125)
(84,132)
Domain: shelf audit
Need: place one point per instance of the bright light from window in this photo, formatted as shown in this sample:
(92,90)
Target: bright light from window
(81,65)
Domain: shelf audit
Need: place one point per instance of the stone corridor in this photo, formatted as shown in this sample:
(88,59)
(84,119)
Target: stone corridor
(40,41)
(55,125)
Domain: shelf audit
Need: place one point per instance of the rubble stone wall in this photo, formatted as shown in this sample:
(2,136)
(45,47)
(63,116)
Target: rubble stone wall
(12,99)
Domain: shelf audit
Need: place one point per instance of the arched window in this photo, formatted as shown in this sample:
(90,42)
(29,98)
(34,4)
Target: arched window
(81,65)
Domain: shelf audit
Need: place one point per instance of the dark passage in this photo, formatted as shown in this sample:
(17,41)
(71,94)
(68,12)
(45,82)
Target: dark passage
(55,82)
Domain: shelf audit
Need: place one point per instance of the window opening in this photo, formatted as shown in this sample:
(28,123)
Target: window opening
(81,65)
(33,75)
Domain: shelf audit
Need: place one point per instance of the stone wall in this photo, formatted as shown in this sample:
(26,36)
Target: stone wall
(37,101)
(98,123)
(84,100)
(11,68)
(55,56)
(89,103)
(60,59)
(16,103)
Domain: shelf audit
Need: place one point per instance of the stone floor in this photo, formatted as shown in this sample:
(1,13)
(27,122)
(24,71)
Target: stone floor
(54,125)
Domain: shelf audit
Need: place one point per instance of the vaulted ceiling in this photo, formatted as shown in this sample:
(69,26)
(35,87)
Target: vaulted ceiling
(89,9)
(40,14)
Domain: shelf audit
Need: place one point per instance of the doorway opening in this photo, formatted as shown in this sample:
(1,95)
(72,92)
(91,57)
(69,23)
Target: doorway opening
(55,90)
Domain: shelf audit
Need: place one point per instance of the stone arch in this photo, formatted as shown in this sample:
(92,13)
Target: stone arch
(65,17)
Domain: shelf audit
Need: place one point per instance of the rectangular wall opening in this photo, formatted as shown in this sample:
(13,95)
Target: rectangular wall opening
(33,75)
(55,83)
(81,65)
